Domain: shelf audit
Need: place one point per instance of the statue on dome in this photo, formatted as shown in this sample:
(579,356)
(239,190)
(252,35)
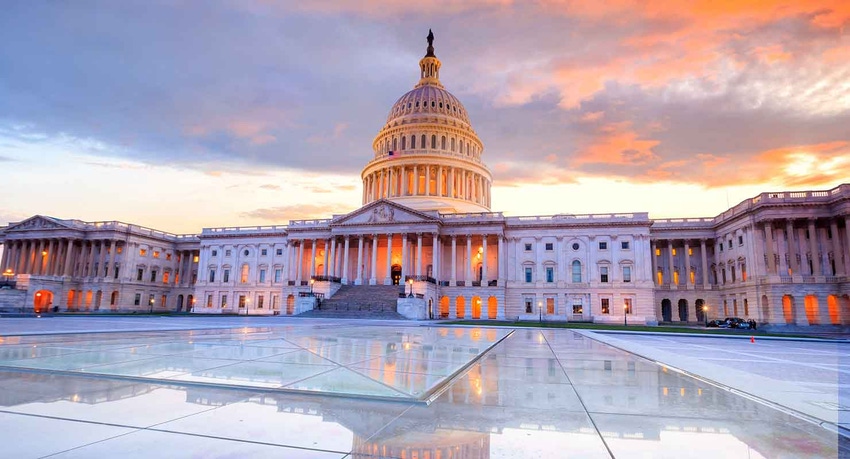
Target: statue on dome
(430,39)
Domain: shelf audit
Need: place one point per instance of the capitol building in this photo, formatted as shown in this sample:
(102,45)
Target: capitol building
(426,244)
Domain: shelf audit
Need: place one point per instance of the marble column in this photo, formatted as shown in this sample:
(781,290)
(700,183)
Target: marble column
(670,261)
(500,262)
(836,248)
(330,268)
(704,259)
(388,278)
(453,280)
(793,267)
(436,258)
(39,258)
(418,254)
(768,238)
(112,248)
(415,191)
(688,263)
(813,248)
(484,261)
(358,279)
(5,260)
(468,260)
(314,245)
(300,266)
(654,262)
(403,258)
(345,250)
(846,245)
(373,279)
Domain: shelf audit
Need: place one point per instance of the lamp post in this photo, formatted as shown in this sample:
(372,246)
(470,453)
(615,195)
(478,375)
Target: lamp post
(705,314)
(248,304)
(193,305)
(8,274)
(540,310)
(625,315)
(410,281)
(311,286)
(151,303)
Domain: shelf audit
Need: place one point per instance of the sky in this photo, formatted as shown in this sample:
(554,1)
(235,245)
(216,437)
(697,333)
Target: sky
(181,115)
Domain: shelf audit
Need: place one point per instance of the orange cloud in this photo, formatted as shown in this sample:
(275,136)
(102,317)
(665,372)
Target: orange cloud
(618,143)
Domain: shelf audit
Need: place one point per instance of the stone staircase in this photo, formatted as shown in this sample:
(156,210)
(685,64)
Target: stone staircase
(360,302)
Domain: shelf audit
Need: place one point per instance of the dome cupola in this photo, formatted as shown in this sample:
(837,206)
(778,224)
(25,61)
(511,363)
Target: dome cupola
(427,156)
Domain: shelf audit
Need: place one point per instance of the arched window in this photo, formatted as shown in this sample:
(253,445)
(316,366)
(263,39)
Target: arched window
(424,145)
(404,143)
(433,104)
(413,142)
(453,144)
(434,141)
(395,144)
(467,148)
(576,271)
(443,143)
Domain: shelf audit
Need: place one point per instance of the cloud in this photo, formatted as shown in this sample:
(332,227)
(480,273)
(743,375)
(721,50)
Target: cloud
(269,186)
(283,214)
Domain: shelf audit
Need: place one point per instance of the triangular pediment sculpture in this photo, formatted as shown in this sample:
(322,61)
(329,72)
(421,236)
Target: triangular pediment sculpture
(381,212)
(38,222)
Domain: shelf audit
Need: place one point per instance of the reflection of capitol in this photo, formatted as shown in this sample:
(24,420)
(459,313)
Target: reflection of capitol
(506,397)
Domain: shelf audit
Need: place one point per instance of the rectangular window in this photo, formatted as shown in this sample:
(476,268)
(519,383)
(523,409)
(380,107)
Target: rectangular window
(137,300)
(260,302)
(116,272)
(242,301)
(119,250)
(627,305)
(139,274)
(163,300)
(168,257)
(209,301)
(606,306)
(243,278)
(657,252)
(576,271)
(264,252)
(624,245)
(549,246)
(196,258)
(730,244)
(674,252)
(577,307)
(550,306)
(153,275)
(550,274)
(143,252)
(690,250)
(215,253)
(627,273)
(223,301)
(262,275)
(528,247)
(165,277)
(156,253)
(275,301)
(278,252)
(212,275)
(603,274)
(528,305)
(721,246)
(528,275)
(740,240)
(227,253)
(278,273)
(226,276)
(603,246)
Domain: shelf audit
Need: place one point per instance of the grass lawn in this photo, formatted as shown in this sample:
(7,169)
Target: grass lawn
(634,328)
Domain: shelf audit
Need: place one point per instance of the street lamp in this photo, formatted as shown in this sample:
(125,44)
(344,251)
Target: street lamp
(193,305)
(705,314)
(540,310)
(248,304)
(625,315)
(311,286)
(151,303)
(410,281)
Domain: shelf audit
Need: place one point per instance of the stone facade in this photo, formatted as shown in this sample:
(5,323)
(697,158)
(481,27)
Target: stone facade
(782,258)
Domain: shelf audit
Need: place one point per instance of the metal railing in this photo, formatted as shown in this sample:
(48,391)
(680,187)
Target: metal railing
(333,279)
(420,279)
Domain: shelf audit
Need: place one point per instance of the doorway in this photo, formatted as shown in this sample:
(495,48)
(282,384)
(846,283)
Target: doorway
(395,274)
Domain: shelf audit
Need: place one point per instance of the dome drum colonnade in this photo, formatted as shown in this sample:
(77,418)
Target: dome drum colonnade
(427,156)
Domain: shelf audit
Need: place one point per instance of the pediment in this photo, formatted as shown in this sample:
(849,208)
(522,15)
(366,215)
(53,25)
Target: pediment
(38,222)
(383,212)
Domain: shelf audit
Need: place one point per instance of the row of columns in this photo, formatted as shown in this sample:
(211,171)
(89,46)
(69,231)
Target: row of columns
(451,182)
(791,256)
(77,258)
(338,250)
(671,263)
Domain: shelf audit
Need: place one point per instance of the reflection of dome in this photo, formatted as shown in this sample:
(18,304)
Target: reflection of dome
(427,156)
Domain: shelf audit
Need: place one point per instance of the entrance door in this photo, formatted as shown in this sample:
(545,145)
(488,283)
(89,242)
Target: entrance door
(395,273)
(666,311)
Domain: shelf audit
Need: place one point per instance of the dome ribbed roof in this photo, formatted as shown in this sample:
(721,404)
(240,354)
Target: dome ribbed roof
(429,99)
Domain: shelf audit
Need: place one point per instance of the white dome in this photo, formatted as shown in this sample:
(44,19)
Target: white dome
(429,99)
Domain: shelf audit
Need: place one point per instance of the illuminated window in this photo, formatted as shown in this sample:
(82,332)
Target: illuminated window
(209,301)
(156,254)
(660,277)
(243,277)
(674,252)
(627,305)
(242,301)
(676,277)
(143,252)
(168,257)
(743,273)
(260,299)
(693,276)
(657,252)
(196,258)
(223,301)
(550,306)
(606,306)
(529,305)
(165,277)
(690,250)
(119,250)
